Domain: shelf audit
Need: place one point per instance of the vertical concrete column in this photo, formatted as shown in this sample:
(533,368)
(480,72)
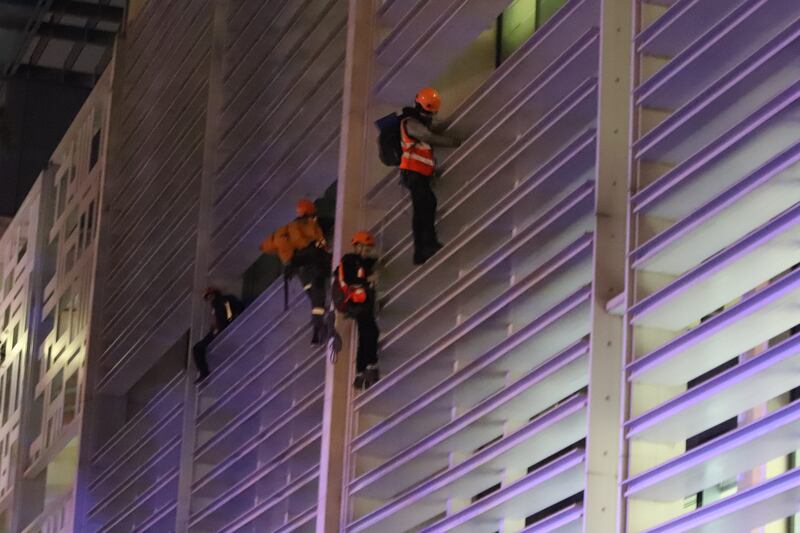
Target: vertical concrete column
(219,17)
(352,179)
(611,201)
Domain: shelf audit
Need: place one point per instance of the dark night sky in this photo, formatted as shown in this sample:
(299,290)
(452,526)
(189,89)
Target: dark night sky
(50,57)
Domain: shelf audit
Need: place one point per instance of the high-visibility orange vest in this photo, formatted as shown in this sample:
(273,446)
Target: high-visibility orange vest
(417,155)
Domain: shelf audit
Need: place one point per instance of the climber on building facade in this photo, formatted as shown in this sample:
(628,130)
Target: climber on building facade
(303,250)
(354,295)
(224,309)
(418,166)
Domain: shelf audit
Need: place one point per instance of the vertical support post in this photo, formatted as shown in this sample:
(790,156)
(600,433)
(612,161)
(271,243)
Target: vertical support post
(611,200)
(205,214)
(336,420)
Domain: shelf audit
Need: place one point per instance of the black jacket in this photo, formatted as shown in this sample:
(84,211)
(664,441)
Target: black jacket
(357,269)
(224,308)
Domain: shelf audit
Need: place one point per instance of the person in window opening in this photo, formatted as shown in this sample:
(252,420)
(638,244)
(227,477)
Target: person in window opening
(355,278)
(418,166)
(303,250)
(224,309)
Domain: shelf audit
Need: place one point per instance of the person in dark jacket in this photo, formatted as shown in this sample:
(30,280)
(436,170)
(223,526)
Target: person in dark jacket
(224,308)
(418,166)
(354,275)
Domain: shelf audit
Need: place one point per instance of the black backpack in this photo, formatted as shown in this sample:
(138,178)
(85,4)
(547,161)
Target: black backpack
(389,148)
(338,296)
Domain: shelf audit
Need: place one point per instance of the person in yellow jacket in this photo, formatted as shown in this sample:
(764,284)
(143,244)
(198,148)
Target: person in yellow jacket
(303,250)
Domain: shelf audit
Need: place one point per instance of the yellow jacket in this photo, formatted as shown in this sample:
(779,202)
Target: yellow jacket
(294,236)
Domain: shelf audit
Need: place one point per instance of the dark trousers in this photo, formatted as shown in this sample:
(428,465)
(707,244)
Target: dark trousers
(314,282)
(312,265)
(199,353)
(367,340)
(423,203)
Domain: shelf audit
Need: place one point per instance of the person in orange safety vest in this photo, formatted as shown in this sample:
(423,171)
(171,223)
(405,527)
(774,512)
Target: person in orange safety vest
(418,165)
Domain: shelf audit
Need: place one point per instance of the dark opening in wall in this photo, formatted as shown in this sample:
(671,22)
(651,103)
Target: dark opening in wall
(519,21)
(23,247)
(553,509)
(563,504)
(95,151)
(715,431)
(721,428)
(169,365)
(259,276)
(71,398)
(7,394)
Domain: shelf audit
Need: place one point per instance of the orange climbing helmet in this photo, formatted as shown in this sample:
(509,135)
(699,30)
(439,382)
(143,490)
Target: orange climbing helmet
(363,237)
(429,99)
(305,207)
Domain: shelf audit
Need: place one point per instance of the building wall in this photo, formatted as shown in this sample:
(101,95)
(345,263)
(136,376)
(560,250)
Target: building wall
(565,297)
(18,250)
(49,260)
(482,418)
(252,131)
(712,248)
(155,162)
(149,240)
(258,434)
(279,120)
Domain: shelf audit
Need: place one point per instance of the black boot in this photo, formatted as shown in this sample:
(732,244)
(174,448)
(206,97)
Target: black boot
(422,254)
(360,381)
(371,376)
(318,335)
